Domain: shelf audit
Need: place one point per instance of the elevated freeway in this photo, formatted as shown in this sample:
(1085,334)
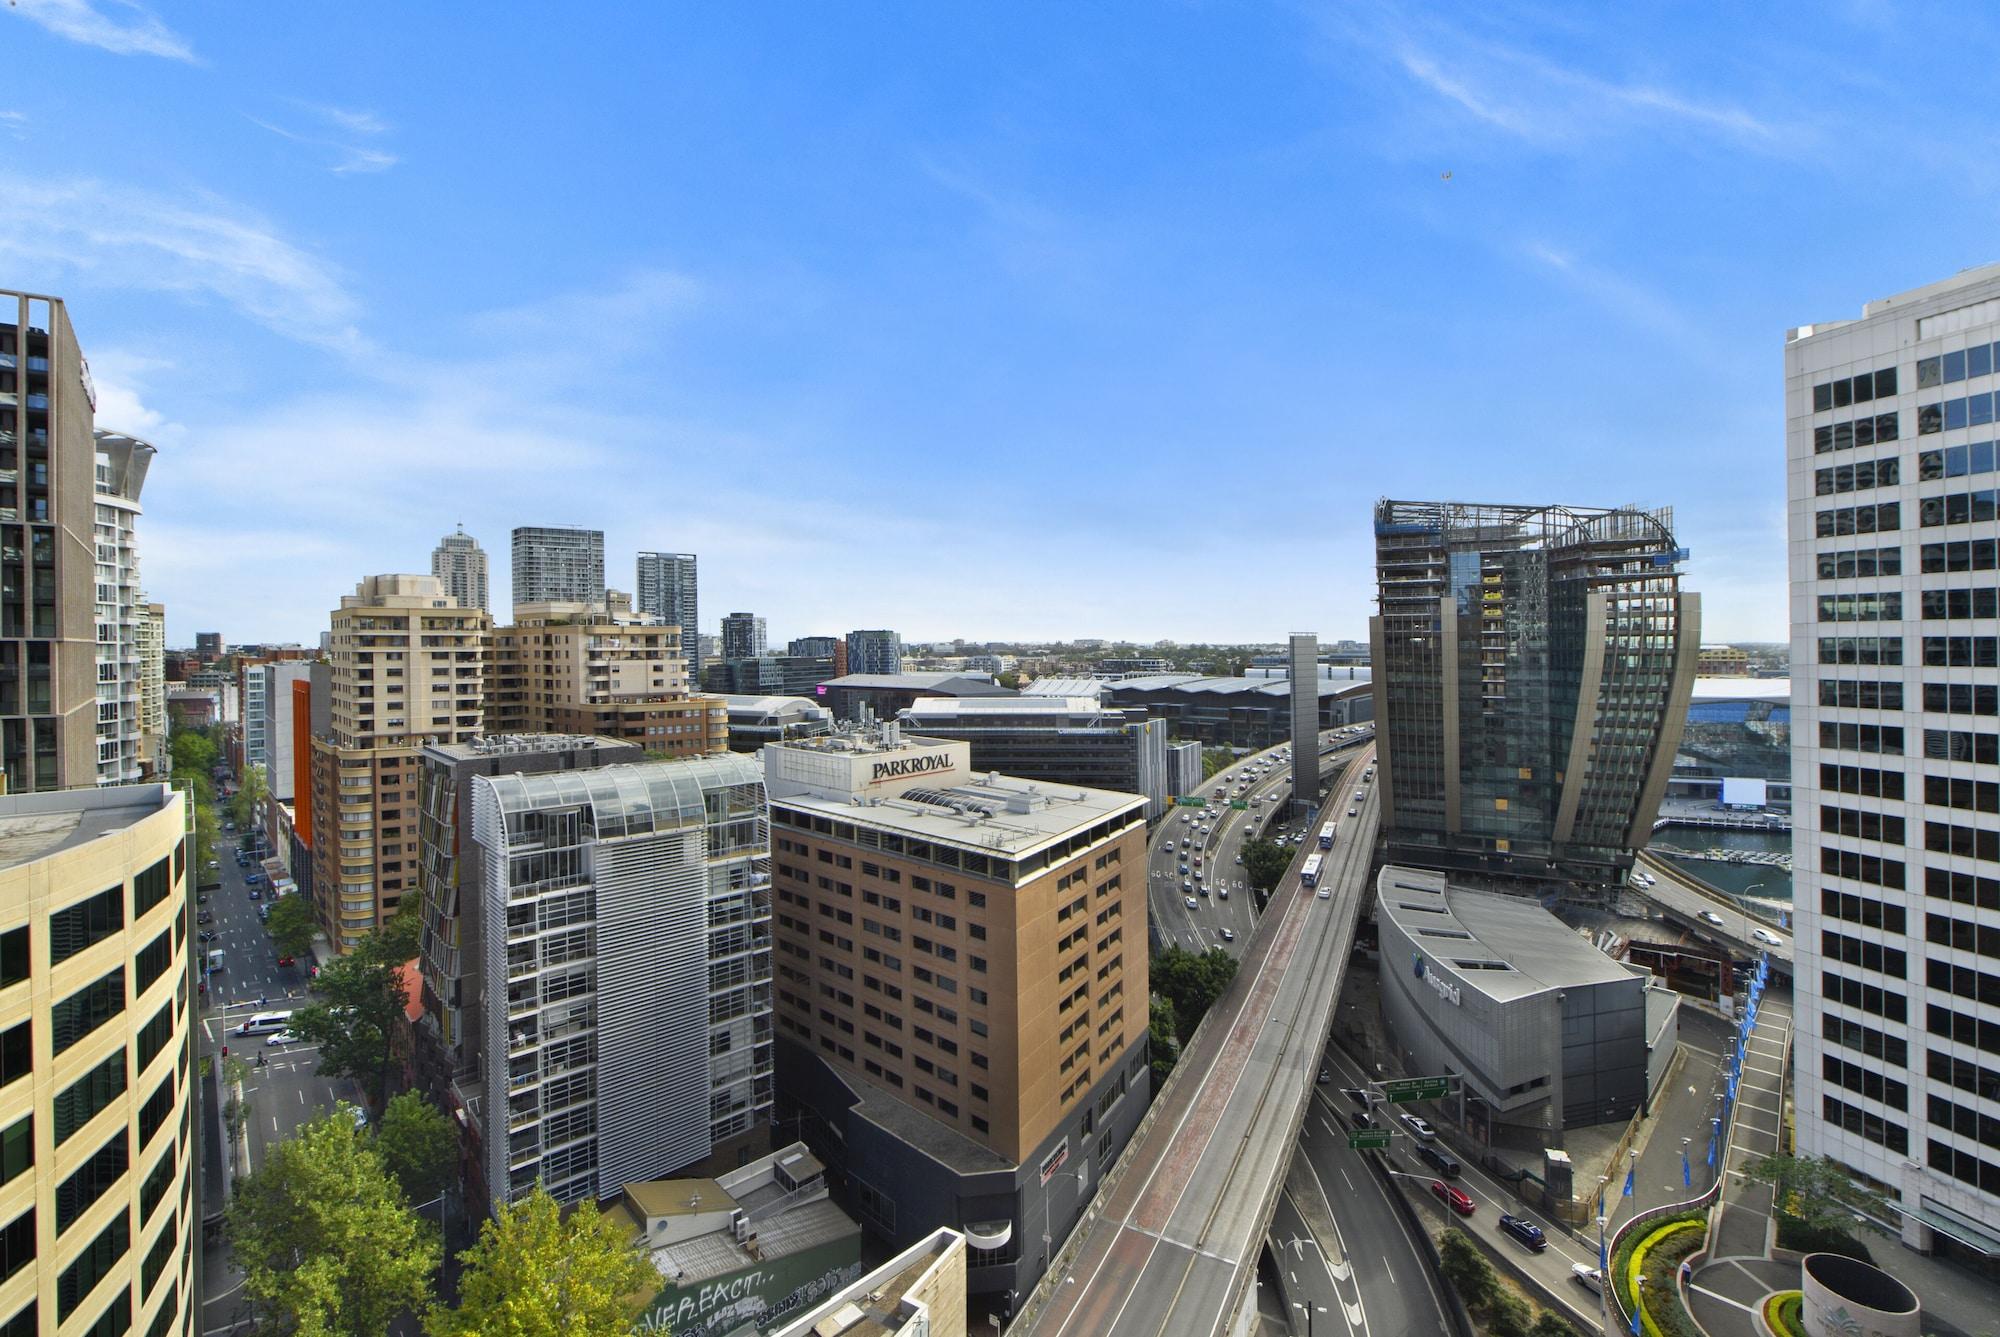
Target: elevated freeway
(1170,1245)
(1713,915)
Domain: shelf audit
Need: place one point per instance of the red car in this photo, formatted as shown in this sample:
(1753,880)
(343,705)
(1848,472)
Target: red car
(1454,1198)
(286,961)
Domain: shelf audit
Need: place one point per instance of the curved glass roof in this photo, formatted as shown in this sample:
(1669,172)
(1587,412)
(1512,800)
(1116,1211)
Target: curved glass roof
(630,800)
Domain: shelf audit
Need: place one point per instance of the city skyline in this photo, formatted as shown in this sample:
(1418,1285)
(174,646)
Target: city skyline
(1137,280)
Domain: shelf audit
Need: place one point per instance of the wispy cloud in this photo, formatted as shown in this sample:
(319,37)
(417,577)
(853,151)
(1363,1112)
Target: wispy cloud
(14,123)
(348,155)
(1505,82)
(122,27)
(200,246)
(1629,301)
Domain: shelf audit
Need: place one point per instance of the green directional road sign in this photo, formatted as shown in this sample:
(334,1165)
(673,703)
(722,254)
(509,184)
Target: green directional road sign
(1368,1139)
(1239,805)
(1192,802)
(1407,1089)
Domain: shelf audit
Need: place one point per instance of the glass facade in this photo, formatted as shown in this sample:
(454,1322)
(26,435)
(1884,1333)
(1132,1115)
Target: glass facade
(1532,668)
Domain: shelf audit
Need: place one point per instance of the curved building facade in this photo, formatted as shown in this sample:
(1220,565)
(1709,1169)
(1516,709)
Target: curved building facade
(97,1139)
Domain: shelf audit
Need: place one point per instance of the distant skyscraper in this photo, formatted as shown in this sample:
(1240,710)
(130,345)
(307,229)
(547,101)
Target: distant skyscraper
(668,590)
(459,563)
(152,632)
(558,565)
(874,652)
(208,645)
(812,647)
(1304,674)
(121,609)
(1889,449)
(742,636)
(1532,672)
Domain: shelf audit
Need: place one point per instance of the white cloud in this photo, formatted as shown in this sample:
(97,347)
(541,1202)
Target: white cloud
(199,246)
(347,157)
(127,29)
(1624,298)
(14,123)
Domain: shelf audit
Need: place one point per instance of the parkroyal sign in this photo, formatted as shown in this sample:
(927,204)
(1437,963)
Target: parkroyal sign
(890,769)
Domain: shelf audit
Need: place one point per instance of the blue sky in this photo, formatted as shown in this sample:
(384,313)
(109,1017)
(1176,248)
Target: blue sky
(1026,320)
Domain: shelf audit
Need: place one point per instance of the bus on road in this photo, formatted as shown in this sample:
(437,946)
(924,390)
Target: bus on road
(1326,836)
(1310,875)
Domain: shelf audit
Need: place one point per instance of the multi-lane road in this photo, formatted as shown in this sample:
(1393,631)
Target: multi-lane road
(1171,1245)
(1711,916)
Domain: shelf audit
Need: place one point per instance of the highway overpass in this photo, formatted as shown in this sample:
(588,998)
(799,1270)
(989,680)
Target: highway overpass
(1170,1244)
(1685,899)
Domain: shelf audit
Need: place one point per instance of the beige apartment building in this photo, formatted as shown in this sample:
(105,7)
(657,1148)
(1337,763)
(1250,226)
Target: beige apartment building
(575,668)
(48,485)
(408,670)
(961,987)
(99,1229)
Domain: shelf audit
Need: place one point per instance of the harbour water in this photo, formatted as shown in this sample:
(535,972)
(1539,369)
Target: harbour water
(1763,887)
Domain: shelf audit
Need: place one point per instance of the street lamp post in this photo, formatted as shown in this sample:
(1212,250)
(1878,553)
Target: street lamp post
(1048,1225)
(1309,1308)
(1603,1267)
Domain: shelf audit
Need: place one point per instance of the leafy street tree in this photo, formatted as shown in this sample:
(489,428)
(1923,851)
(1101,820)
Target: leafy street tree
(1214,760)
(1162,1039)
(538,1273)
(361,1002)
(1461,1264)
(194,753)
(291,926)
(1264,863)
(205,830)
(248,800)
(418,1146)
(327,1243)
(1191,983)
(1816,1191)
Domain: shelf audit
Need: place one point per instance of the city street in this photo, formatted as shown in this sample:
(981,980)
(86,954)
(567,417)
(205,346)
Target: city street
(279,1096)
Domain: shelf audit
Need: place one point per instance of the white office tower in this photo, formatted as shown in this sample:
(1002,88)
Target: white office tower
(122,462)
(635,1040)
(668,589)
(1893,482)
(558,564)
(459,563)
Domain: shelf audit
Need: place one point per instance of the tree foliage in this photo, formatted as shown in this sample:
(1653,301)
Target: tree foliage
(327,1244)
(1815,1191)
(248,800)
(418,1146)
(1191,982)
(291,926)
(535,1272)
(1462,1264)
(361,1000)
(1163,1039)
(1264,863)
(1215,760)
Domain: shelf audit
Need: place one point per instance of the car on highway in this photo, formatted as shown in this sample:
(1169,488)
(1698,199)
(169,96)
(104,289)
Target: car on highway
(1239,858)
(1587,1277)
(1768,938)
(1357,1095)
(1229,935)
(1325,1075)
(1325,893)
(1187,883)
(1170,847)
(1439,1159)
(256,895)
(1202,890)
(1352,811)
(1192,904)
(1451,1196)
(1524,1230)
(1710,917)
(1645,879)
(1223,893)
(1420,1129)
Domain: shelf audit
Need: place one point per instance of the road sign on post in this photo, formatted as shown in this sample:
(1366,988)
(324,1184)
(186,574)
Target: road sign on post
(1191,802)
(1368,1139)
(1406,1089)
(1239,805)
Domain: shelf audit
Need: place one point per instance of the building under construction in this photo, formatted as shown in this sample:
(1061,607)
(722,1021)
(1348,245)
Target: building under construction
(1532,672)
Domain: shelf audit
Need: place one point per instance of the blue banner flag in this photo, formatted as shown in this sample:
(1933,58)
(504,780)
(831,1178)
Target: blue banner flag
(1711,1150)
(1628,1183)
(1603,1263)
(1687,1175)
(1635,1321)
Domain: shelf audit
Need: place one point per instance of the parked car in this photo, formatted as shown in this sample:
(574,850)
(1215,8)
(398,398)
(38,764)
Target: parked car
(256,895)
(205,917)
(1452,1196)
(207,935)
(1524,1230)
(288,961)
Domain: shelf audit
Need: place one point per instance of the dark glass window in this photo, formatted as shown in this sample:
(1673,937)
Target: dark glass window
(152,961)
(1822,397)
(1930,372)
(17,1148)
(13,956)
(154,1035)
(91,1180)
(1954,367)
(1885,382)
(92,1265)
(75,927)
(85,1010)
(27,1323)
(16,1053)
(158,1108)
(157,1183)
(78,1102)
(149,888)
(17,1244)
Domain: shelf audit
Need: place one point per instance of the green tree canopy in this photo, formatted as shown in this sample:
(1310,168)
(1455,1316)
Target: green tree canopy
(291,926)
(361,995)
(418,1146)
(1215,760)
(1264,863)
(327,1243)
(1191,982)
(248,800)
(1816,1191)
(537,1273)
(1163,1039)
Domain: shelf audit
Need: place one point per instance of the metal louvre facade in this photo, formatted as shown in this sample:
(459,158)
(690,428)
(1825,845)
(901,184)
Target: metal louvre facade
(636,1022)
(1533,667)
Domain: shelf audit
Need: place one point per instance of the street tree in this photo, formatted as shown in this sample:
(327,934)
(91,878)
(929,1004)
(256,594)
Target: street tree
(291,926)
(248,800)
(1163,1039)
(1816,1191)
(327,1244)
(536,1272)
(1264,863)
(418,1146)
(1191,982)
(361,1000)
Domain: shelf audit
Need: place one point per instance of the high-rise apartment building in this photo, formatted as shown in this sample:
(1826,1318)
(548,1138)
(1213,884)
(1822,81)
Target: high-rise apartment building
(558,565)
(669,591)
(577,669)
(631,922)
(961,987)
(1894,489)
(1532,672)
(743,636)
(449,1060)
(48,632)
(873,652)
(271,724)
(767,675)
(812,647)
(98,1218)
(122,462)
(459,563)
(208,646)
(152,637)
(408,669)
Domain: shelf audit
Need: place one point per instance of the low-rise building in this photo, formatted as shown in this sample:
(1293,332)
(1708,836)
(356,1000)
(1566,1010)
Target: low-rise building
(921,1291)
(1066,740)
(757,720)
(742,1251)
(1542,1029)
(767,675)
(884,694)
(1249,713)
(1722,661)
